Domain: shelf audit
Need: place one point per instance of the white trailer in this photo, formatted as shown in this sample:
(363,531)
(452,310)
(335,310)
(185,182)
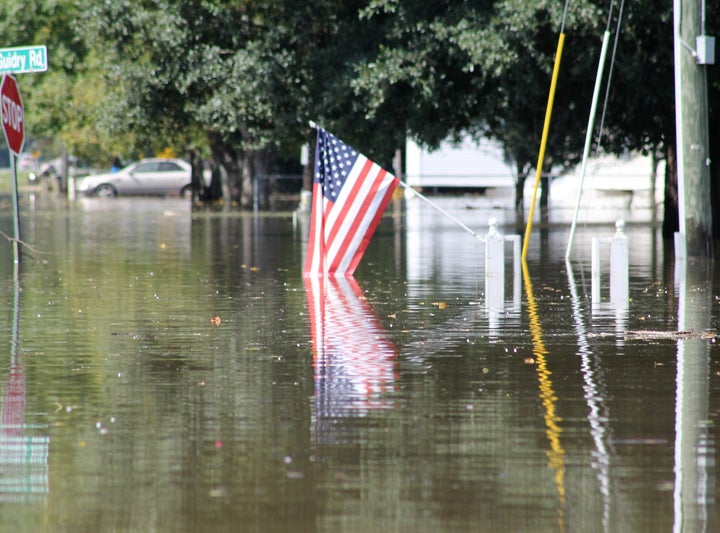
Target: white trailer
(469,164)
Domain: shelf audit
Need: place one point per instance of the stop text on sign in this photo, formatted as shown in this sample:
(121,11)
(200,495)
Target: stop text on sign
(12,114)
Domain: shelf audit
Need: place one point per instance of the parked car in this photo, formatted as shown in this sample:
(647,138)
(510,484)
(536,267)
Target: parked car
(146,177)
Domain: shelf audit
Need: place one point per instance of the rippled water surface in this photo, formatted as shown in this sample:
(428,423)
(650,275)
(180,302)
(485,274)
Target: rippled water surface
(170,370)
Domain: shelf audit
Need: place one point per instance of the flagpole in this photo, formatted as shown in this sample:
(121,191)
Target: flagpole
(441,210)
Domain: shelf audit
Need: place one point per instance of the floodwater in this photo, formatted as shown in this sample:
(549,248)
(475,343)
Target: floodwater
(169,370)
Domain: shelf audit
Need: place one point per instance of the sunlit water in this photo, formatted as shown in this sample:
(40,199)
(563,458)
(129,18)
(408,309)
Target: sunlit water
(170,370)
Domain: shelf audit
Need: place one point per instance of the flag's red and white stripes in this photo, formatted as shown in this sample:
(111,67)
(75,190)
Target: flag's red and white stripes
(341,229)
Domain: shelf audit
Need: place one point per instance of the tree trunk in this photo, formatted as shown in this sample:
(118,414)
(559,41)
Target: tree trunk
(214,192)
(256,186)
(520,189)
(230,160)
(714,124)
(197,184)
(255,191)
(544,193)
(671,220)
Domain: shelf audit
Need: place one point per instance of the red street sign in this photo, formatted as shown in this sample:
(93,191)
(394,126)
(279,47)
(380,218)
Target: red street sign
(13,115)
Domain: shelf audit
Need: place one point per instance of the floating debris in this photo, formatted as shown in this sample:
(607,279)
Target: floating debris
(669,335)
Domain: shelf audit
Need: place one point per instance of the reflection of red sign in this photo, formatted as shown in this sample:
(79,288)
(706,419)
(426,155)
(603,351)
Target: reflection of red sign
(12,415)
(13,116)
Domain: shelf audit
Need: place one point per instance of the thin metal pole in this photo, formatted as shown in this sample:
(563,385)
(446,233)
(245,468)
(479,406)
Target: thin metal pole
(16,209)
(441,210)
(588,138)
(543,143)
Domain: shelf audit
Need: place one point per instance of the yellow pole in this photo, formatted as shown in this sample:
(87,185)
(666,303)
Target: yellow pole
(543,144)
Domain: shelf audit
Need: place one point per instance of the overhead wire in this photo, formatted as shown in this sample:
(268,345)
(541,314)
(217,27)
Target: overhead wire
(610,73)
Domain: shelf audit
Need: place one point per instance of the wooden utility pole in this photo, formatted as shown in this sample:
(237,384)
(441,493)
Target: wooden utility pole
(691,122)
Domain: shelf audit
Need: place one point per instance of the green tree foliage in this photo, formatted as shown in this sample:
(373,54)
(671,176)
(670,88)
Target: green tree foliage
(485,68)
(64,103)
(239,79)
(243,78)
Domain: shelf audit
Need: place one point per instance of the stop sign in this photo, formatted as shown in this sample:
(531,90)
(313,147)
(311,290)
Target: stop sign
(13,116)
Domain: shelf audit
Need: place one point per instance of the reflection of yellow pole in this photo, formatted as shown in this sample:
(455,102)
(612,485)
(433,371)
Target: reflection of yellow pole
(543,143)
(553,430)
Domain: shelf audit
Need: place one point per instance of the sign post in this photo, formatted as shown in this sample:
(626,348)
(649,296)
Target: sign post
(13,122)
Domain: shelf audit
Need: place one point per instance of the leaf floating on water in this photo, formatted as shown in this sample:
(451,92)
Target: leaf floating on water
(669,335)
(216,321)
(440,305)
(218,492)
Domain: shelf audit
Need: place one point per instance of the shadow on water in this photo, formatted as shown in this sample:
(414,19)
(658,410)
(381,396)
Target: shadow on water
(170,369)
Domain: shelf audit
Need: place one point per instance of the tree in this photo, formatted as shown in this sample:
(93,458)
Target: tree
(63,103)
(230,77)
(485,68)
(239,79)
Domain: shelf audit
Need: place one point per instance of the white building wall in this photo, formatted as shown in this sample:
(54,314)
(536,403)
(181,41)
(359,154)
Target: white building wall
(469,164)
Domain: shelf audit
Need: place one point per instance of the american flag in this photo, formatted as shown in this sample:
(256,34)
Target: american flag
(355,363)
(350,194)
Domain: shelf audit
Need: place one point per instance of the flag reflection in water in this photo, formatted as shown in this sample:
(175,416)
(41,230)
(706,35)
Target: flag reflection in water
(355,364)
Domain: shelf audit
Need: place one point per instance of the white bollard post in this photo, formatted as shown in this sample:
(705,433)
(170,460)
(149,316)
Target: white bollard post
(494,267)
(680,261)
(517,272)
(619,266)
(680,245)
(595,271)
